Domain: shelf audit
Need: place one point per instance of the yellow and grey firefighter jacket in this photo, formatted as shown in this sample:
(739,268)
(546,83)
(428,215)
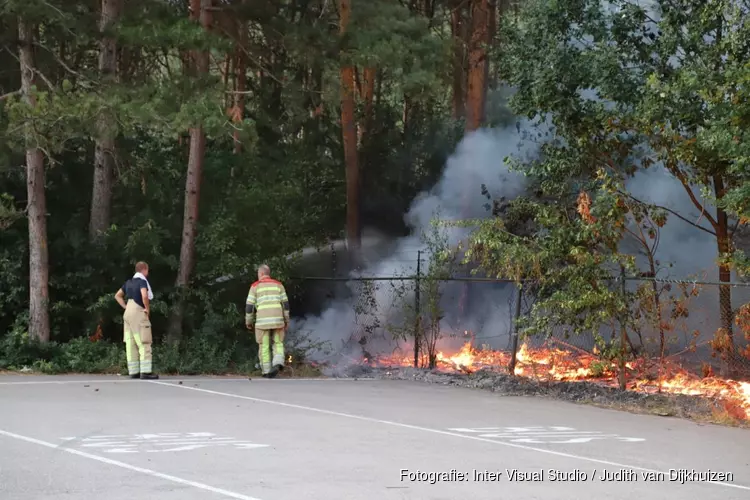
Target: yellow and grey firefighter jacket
(267,305)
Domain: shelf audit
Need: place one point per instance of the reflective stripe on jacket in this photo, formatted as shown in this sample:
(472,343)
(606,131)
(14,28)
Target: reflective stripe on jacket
(267,304)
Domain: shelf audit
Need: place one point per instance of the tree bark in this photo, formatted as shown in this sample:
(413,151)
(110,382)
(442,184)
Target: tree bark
(458,30)
(192,195)
(36,203)
(723,240)
(349,139)
(491,28)
(475,97)
(239,97)
(104,161)
(368,97)
(478,61)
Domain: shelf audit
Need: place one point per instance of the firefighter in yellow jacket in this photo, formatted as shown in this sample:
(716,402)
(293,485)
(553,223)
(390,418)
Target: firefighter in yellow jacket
(267,309)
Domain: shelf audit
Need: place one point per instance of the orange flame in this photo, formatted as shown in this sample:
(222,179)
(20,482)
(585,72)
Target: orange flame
(563,365)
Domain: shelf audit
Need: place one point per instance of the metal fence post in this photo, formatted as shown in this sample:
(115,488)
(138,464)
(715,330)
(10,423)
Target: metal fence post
(417,322)
(514,329)
(623,332)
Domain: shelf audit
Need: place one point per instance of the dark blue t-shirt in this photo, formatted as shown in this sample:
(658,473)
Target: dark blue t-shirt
(132,290)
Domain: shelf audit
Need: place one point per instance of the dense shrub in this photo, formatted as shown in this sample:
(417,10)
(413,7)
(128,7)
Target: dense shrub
(200,354)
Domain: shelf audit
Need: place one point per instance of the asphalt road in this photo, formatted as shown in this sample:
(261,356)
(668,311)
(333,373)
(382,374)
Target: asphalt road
(284,439)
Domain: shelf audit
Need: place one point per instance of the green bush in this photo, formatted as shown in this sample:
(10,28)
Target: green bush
(81,355)
(17,351)
(201,354)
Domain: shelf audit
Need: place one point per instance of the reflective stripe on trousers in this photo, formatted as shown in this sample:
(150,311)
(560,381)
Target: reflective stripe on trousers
(263,337)
(137,337)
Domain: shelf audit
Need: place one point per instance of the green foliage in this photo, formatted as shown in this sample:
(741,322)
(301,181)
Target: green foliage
(201,354)
(18,351)
(80,355)
(634,87)
(627,88)
(284,191)
(567,263)
(385,34)
(8,211)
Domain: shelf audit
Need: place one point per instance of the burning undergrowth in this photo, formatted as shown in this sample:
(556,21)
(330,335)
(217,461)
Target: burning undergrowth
(567,374)
(378,302)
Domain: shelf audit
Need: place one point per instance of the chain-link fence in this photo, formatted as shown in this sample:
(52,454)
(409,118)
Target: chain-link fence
(413,320)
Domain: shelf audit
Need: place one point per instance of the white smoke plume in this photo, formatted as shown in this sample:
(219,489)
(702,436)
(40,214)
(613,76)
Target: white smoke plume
(685,252)
(478,161)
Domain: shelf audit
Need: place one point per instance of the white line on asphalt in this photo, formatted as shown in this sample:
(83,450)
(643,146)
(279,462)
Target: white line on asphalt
(435,431)
(123,465)
(187,379)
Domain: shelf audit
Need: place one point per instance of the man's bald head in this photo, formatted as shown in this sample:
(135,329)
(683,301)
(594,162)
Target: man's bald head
(263,270)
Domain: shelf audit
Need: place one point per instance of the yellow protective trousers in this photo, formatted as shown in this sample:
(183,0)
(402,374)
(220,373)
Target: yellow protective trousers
(137,337)
(263,337)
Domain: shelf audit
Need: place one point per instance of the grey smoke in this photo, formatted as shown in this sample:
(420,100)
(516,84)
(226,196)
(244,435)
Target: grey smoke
(685,252)
(478,160)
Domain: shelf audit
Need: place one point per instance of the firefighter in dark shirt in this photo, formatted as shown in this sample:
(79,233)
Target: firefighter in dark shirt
(136,322)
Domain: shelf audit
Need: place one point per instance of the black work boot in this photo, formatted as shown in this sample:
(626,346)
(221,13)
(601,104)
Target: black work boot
(149,376)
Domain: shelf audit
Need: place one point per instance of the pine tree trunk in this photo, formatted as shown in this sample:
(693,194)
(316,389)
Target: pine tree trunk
(367,94)
(37,203)
(192,197)
(458,29)
(480,29)
(475,99)
(349,137)
(104,162)
(239,97)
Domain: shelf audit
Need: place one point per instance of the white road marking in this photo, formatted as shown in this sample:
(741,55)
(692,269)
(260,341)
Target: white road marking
(123,465)
(187,380)
(536,428)
(169,441)
(540,434)
(435,431)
